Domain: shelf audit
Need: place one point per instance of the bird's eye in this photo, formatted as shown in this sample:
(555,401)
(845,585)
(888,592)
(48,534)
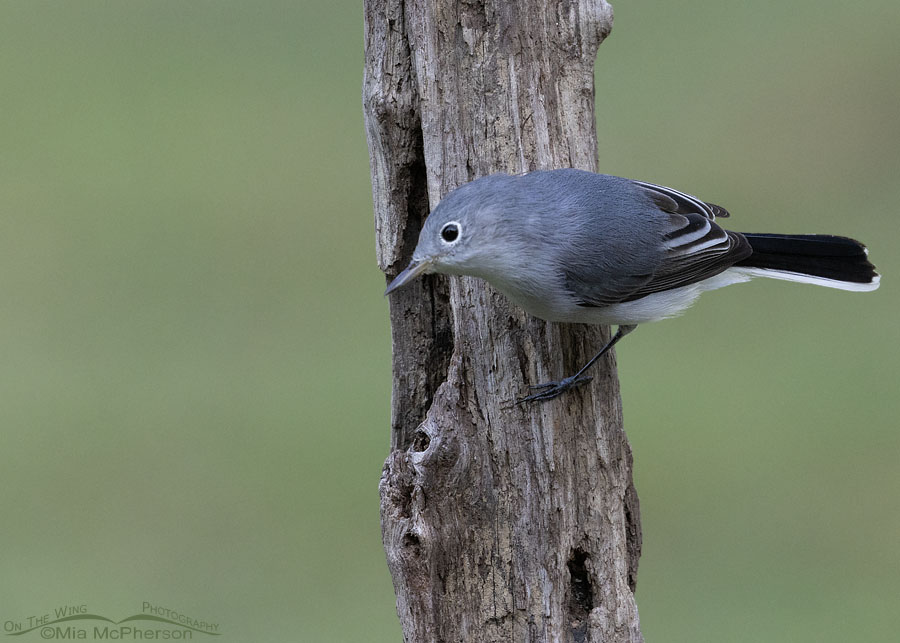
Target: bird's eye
(450,232)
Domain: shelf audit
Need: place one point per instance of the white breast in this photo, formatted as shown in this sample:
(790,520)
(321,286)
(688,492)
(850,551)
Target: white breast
(561,307)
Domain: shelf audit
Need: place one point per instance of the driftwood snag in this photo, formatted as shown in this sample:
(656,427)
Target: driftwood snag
(500,522)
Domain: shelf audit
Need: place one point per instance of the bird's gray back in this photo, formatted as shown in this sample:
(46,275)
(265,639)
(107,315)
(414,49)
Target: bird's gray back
(607,234)
(569,237)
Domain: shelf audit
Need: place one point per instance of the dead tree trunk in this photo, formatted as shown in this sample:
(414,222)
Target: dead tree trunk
(500,522)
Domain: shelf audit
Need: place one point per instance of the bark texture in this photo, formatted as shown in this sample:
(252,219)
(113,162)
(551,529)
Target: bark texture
(500,522)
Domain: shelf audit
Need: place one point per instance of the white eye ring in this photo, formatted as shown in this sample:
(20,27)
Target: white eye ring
(451,232)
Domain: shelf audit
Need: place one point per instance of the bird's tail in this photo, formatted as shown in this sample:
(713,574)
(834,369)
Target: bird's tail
(824,260)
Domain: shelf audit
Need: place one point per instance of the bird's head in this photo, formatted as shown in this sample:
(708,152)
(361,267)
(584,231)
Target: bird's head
(460,236)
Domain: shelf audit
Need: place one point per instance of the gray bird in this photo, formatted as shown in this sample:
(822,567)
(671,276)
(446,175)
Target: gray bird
(574,246)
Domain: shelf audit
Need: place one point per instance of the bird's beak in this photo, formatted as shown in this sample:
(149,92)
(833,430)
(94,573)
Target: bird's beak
(412,271)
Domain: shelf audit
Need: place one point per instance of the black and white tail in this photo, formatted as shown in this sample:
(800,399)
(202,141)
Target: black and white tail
(824,260)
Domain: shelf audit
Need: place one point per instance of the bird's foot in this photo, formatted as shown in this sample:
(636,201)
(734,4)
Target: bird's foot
(550,390)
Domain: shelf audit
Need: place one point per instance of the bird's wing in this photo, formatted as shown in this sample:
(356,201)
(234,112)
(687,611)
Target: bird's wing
(591,292)
(693,248)
(697,250)
(670,200)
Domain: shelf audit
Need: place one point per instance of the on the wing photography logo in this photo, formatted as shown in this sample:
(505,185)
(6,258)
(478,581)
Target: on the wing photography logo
(74,623)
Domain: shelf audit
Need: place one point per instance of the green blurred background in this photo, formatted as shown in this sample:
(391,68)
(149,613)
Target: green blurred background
(195,353)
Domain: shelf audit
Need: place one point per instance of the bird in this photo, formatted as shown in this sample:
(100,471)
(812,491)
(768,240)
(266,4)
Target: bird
(573,246)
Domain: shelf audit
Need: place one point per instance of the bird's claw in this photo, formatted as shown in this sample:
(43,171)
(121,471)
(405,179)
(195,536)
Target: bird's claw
(550,390)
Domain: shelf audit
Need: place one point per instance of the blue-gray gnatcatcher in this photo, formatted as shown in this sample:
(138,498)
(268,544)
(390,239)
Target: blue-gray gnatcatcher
(574,246)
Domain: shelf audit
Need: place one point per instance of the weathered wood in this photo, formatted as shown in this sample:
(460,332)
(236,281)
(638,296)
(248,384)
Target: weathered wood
(500,522)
